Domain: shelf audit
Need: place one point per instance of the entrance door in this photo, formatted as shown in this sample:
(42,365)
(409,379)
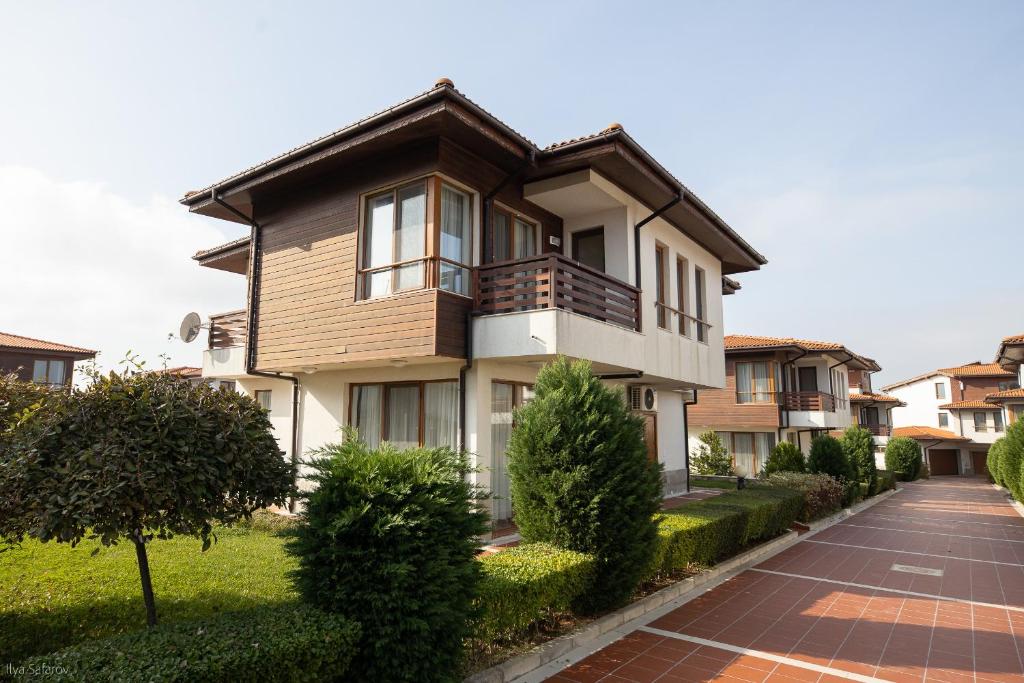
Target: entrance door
(588,247)
(943,461)
(870,417)
(651,435)
(808,379)
(979,461)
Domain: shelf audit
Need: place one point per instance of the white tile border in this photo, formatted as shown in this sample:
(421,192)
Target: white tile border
(551,657)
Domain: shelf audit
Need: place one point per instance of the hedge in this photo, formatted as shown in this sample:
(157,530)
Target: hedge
(522,585)
(287,643)
(822,494)
(886,480)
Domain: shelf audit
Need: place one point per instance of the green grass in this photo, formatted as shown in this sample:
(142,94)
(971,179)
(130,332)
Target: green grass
(699,482)
(52,595)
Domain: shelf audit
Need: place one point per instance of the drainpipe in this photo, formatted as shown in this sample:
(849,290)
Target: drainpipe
(686,436)
(255,263)
(636,233)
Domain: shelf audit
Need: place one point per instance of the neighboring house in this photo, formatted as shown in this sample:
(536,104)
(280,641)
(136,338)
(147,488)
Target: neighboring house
(43,362)
(409,275)
(872,411)
(195,376)
(953,401)
(1010,357)
(775,389)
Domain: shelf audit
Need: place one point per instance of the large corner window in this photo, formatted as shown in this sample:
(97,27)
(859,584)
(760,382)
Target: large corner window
(456,240)
(48,372)
(407,414)
(755,382)
(513,237)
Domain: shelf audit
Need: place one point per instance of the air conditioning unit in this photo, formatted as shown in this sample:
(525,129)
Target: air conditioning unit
(643,397)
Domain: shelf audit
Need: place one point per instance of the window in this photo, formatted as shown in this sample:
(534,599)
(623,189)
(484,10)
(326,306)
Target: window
(980,422)
(659,285)
(456,240)
(505,398)
(755,382)
(226,385)
(406,414)
(700,293)
(513,237)
(682,296)
(394,240)
(998,416)
(263,398)
(48,372)
(749,450)
(940,390)
(944,419)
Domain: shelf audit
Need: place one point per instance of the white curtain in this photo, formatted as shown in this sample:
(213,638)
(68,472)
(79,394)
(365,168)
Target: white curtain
(525,239)
(380,224)
(502,404)
(411,234)
(404,415)
(764,442)
(762,382)
(366,409)
(744,382)
(441,421)
(501,240)
(743,457)
(455,239)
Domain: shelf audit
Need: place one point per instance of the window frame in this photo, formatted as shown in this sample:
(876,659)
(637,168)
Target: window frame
(487,245)
(700,290)
(384,398)
(943,420)
(773,389)
(269,393)
(759,461)
(940,391)
(998,422)
(48,373)
(984,421)
(660,288)
(683,294)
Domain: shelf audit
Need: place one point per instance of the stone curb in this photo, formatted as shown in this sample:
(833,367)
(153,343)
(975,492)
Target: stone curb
(546,653)
(1009,498)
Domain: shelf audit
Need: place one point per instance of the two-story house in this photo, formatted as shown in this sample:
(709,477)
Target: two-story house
(36,360)
(775,389)
(871,410)
(410,273)
(1010,357)
(947,411)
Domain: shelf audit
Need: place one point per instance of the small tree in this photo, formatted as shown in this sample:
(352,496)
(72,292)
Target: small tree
(903,455)
(390,540)
(138,456)
(711,457)
(785,457)
(581,478)
(859,448)
(827,457)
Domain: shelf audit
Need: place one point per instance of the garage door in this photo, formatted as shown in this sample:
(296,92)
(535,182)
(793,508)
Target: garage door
(943,461)
(980,461)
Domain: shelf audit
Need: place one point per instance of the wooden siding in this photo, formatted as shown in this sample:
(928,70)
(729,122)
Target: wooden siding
(718,407)
(21,363)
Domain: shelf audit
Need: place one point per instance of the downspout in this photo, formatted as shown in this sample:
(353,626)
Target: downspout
(636,234)
(686,436)
(255,263)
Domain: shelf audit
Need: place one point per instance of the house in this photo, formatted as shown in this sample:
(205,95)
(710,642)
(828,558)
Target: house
(948,412)
(780,388)
(1010,357)
(410,273)
(43,362)
(195,376)
(872,411)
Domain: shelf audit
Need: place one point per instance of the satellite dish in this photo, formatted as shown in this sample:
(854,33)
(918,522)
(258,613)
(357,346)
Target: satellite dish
(190,327)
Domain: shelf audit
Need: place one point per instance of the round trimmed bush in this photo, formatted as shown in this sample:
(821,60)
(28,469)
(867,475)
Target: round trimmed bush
(859,448)
(827,457)
(903,456)
(581,479)
(389,540)
(785,457)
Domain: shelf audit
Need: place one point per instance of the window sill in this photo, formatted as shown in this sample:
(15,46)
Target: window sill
(406,294)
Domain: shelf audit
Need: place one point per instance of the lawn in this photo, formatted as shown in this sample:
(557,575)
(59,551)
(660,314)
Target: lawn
(52,595)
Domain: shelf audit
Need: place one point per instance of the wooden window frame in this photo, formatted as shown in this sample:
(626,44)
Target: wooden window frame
(439,183)
(660,288)
(517,391)
(683,294)
(270,395)
(487,245)
(758,460)
(700,289)
(384,395)
(773,390)
(50,362)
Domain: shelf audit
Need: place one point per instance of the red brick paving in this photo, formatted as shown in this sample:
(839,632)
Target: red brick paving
(966,625)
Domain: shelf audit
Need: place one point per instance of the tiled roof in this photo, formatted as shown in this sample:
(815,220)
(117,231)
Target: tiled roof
(927,434)
(16,341)
(874,398)
(1014,339)
(233,244)
(966,405)
(977,369)
(746,341)
(185,371)
(1003,395)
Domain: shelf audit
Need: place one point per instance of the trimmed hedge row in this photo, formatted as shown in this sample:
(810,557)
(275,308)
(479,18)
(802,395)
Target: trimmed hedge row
(822,494)
(288,643)
(522,585)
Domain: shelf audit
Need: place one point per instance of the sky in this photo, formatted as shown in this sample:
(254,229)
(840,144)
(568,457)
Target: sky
(872,150)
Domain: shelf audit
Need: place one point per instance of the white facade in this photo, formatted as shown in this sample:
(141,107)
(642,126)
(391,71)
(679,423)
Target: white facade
(922,403)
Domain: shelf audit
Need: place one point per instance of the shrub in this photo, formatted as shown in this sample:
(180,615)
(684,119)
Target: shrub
(139,456)
(390,540)
(525,584)
(16,397)
(711,457)
(886,480)
(992,460)
(822,494)
(581,478)
(289,643)
(859,448)
(903,456)
(1011,464)
(785,457)
(827,457)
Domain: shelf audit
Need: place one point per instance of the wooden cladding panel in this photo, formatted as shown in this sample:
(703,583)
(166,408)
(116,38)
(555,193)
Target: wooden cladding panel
(718,407)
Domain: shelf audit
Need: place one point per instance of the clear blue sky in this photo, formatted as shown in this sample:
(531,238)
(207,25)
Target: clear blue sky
(872,151)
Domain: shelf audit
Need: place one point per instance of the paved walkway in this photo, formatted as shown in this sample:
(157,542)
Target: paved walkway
(927,585)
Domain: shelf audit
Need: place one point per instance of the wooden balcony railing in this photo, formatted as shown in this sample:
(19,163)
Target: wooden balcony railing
(878,430)
(553,281)
(227,329)
(807,400)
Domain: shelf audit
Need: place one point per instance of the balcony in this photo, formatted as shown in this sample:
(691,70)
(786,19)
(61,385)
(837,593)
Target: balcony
(225,357)
(807,401)
(227,329)
(878,430)
(552,281)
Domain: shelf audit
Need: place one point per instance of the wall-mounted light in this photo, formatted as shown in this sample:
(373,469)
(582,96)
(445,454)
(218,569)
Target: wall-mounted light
(399,362)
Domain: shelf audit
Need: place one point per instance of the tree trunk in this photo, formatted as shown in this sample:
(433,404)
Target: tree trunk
(147,584)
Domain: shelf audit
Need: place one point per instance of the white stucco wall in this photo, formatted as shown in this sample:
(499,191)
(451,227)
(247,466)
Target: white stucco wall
(922,407)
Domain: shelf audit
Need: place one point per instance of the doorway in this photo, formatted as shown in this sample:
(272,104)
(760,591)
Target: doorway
(808,377)
(588,247)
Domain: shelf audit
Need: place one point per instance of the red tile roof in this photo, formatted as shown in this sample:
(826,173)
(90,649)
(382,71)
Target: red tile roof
(874,398)
(16,341)
(1014,339)
(735,342)
(185,371)
(966,405)
(927,434)
(1004,395)
(977,369)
